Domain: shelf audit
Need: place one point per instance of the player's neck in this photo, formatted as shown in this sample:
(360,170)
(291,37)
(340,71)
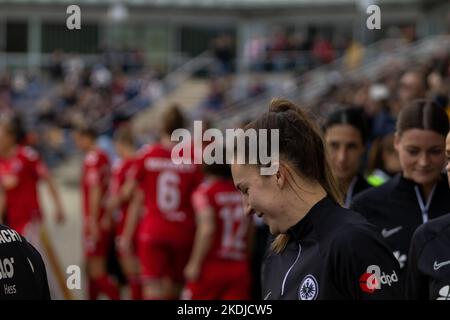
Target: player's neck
(128,154)
(297,209)
(9,152)
(166,141)
(427,188)
(344,184)
(91,148)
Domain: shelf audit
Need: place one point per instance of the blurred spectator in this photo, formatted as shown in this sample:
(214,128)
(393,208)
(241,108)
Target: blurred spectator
(223,51)
(215,100)
(323,51)
(412,86)
(383,162)
(354,55)
(255,52)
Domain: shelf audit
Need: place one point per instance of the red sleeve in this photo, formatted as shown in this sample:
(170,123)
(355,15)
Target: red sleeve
(136,171)
(115,185)
(92,175)
(38,167)
(200,200)
(41,169)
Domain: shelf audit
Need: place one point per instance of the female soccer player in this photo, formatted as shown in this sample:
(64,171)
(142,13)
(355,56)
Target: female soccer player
(321,250)
(20,171)
(218,268)
(345,139)
(428,273)
(166,231)
(126,239)
(420,193)
(97,240)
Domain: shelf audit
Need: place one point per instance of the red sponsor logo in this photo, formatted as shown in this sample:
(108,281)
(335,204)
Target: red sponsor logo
(368,282)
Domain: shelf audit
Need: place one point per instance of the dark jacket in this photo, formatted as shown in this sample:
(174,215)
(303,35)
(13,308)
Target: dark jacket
(22,271)
(332,254)
(395,210)
(428,273)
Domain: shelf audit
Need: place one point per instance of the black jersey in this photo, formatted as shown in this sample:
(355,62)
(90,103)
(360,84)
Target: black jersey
(333,253)
(428,272)
(398,207)
(22,271)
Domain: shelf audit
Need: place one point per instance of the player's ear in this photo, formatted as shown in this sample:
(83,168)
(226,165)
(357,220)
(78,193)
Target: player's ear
(397,141)
(281,176)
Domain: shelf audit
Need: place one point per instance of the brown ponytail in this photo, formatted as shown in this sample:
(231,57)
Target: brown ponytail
(301,145)
(172,119)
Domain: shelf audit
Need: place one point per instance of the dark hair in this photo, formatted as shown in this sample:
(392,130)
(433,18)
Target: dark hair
(15,127)
(422,77)
(301,145)
(423,114)
(350,116)
(87,131)
(172,119)
(375,157)
(124,135)
(217,170)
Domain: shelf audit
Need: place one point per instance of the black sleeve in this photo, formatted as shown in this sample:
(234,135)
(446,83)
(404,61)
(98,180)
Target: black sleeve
(26,278)
(359,252)
(40,274)
(416,281)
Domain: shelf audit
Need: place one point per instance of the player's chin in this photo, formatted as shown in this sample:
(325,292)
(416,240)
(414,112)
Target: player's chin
(274,230)
(421,177)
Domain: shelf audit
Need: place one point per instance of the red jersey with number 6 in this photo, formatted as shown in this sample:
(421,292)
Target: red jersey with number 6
(167,188)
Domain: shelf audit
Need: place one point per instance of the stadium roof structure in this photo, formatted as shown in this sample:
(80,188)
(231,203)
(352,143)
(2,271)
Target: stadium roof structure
(216,3)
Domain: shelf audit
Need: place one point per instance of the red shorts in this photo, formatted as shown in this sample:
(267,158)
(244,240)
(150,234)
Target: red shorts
(220,280)
(163,257)
(101,247)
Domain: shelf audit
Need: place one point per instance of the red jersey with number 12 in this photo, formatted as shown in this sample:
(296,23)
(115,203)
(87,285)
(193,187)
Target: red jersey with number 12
(231,235)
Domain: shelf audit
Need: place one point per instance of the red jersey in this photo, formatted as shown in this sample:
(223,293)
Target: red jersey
(231,235)
(22,202)
(96,171)
(167,188)
(120,171)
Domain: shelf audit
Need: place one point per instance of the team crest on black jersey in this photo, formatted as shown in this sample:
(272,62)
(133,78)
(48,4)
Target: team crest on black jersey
(444,293)
(309,288)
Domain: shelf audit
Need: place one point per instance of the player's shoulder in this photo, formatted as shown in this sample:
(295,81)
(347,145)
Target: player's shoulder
(372,195)
(205,186)
(96,157)
(432,229)
(149,150)
(117,165)
(28,153)
(91,158)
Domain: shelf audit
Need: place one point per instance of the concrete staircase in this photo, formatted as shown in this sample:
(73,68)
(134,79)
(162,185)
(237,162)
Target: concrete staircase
(188,95)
